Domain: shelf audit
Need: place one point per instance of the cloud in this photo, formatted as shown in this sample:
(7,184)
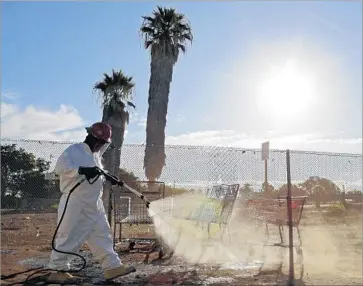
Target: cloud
(65,123)
(231,138)
(142,122)
(180,118)
(11,95)
(137,119)
(7,109)
(134,116)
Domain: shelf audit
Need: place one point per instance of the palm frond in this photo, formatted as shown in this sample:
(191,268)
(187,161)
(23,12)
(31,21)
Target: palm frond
(115,91)
(181,47)
(167,30)
(129,103)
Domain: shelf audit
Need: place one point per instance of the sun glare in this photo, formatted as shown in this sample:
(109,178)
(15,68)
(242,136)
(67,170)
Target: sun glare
(285,91)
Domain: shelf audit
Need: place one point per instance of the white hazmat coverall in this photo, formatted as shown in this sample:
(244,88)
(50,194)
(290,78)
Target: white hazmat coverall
(85,218)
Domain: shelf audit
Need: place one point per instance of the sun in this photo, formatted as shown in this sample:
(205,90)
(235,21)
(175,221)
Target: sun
(285,91)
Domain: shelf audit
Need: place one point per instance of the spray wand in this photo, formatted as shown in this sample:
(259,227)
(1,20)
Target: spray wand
(115,181)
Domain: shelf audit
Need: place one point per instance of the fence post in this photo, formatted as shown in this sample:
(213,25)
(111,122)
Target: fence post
(289,214)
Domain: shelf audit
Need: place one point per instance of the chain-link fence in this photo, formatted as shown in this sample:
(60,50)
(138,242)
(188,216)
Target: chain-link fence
(327,181)
(28,185)
(27,166)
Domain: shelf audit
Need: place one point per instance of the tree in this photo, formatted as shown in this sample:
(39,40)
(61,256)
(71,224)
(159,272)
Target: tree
(319,188)
(165,34)
(247,191)
(296,191)
(247,188)
(22,174)
(269,190)
(128,177)
(115,92)
(330,186)
(355,195)
(355,192)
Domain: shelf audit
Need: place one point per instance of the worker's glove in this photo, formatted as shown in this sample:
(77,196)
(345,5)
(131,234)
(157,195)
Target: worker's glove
(89,172)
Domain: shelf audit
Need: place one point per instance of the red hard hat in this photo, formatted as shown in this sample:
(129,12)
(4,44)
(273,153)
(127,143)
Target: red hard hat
(100,130)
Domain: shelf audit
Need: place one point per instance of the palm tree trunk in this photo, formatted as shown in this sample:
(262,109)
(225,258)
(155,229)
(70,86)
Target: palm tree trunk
(159,88)
(112,157)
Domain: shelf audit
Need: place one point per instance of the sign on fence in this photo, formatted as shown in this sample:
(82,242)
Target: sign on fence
(265,150)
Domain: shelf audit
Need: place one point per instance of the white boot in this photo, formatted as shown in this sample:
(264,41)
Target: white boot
(119,271)
(62,278)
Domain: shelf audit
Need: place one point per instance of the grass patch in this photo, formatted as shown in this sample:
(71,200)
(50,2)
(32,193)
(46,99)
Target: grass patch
(335,211)
(54,207)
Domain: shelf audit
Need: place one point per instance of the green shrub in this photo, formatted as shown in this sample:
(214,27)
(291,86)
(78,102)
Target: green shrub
(336,210)
(55,206)
(170,191)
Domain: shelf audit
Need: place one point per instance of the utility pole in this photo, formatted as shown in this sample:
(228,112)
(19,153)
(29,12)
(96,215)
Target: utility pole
(266,182)
(342,197)
(291,281)
(265,157)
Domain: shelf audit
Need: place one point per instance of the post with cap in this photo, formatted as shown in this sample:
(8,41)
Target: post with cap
(291,280)
(265,157)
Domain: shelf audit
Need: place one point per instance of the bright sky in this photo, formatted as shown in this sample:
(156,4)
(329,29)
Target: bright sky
(286,72)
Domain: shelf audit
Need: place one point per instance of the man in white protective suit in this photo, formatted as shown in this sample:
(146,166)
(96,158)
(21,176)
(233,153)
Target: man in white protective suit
(85,219)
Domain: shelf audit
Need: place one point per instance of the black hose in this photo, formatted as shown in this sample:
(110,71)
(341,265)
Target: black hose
(56,232)
(42,269)
(37,270)
(4,277)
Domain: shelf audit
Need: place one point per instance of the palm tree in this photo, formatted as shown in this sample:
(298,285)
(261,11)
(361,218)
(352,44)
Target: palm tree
(115,91)
(165,34)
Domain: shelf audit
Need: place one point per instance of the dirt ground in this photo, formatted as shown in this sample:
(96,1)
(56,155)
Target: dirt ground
(332,255)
